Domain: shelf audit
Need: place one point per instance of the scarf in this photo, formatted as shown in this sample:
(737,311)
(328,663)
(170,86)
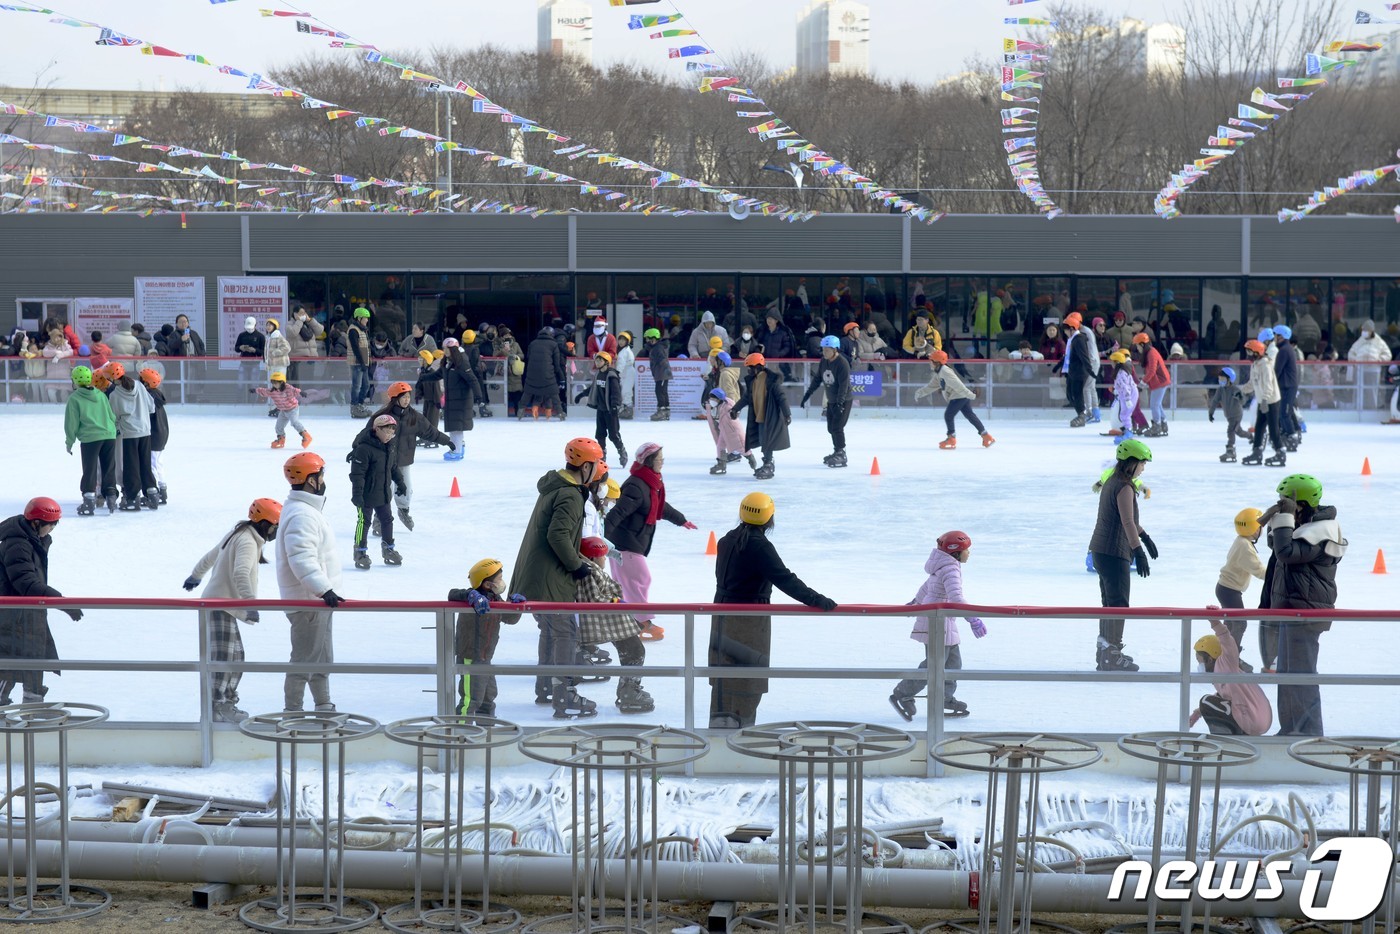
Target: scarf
(658,490)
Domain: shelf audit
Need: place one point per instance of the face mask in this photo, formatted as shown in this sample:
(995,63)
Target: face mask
(600,330)
(1200,667)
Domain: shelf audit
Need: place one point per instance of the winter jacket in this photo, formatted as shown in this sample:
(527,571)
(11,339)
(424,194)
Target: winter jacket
(597,628)
(356,347)
(337,343)
(307,563)
(24,572)
(812,342)
(1052,349)
(305,346)
(872,347)
(1248,705)
(410,346)
(1286,368)
(1302,571)
(124,343)
(544,366)
(510,351)
(659,356)
(278,352)
(1229,397)
(944,585)
(98,355)
(462,391)
(56,356)
(1369,349)
(184,344)
(1117,531)
(607,345)
(428,386)
(250,343)
(160,422)
(549,551)
(1091,347)
(747,568)
(1079,356)
(604,393)
(88,417)
(374,471)
(626,366)
(779,344)
(835,377)
(234,563)
(133,408)
(1263,383)
(698,347)
(1125,391)
(945,380)
(920,345)
(625,525)
(741,348)
(1241,564)
(767,427)
(1155,372)
(413,427)
(284,399)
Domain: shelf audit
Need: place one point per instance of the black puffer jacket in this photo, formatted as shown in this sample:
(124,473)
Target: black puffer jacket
(160,422)
(463,391)
(24,572)
(374,471)
(659,355)
(412,427)
(626,523)
(1286,367)
(1302,571)
(747,569)
(771,434)
(604,392)
(544,364)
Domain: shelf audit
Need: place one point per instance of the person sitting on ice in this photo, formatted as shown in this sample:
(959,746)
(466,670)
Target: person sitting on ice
(1237,708)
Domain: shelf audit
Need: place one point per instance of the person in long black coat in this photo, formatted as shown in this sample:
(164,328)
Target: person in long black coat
(413,429)
(544,374)
(462,389)
(24,572)
(747,568)
(769,415)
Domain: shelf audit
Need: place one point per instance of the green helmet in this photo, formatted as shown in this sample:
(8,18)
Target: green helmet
(361,312)
(652,333)
(1302,488)
(82,376)
(1134,448)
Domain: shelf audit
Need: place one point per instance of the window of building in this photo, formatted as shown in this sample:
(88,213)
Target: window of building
(1222,304)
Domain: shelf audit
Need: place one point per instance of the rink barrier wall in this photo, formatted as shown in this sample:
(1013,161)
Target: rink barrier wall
(1352,389)
(117,741)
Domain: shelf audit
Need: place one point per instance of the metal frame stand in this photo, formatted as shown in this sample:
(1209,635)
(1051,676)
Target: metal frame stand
(40,903)
(636,755)
(1019,759)
(1194,753)
(818,749)
(453,737)
(1377,759)
(326,909)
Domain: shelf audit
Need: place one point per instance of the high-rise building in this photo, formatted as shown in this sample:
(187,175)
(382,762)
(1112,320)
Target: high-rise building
(1156,51)
(1380,67)
(833,38)
(566,29)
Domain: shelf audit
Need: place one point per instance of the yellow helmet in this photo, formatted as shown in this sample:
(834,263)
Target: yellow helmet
(716,343)
(1209,644)
(426,356)
(614,489)
(1119,356)
(469,336)
(756,509)
(276,325)
(1247,522)
(483,569)
(438,354)
(278,377)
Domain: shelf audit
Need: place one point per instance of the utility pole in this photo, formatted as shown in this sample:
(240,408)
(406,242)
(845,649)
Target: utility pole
(450,192)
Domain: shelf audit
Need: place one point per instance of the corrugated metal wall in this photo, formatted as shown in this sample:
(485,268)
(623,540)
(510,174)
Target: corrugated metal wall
(1325,246)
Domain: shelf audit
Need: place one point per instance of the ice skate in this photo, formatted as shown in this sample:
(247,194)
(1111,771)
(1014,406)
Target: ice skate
(278,443)
(271,413)
(111,503)
(390,556)
(454,455)
(955,708)
(765,472)
(1279,459)
(374,528)
(484,410)
(152,499)
(622,456)
(651,633)
(228,712)
(570,705)
(594,655)
(1089,562)
(1229,456)
(1121,437)
(406,519)
(1079,421)
(544,698)
(626,413)
(1290,445)
(631,698)
(661,415)
(988,440)
(1253,459)
(130,505)
(948,444)
(753,461)
(562,416)
(734,458)
(305,440)
(327,707)
(164,493)
(1110,657)
(904,706)
(720,468)
(1112,433)
(837,460)
(362,559)
(1093,419)
(1162,429)
(88,507)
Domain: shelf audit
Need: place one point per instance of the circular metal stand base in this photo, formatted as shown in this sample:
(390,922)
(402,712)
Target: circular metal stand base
(1174,927)
(870,922)
(502,919)
(311,915)
(569,923)
(1310,926)
(970,926)
(83,901)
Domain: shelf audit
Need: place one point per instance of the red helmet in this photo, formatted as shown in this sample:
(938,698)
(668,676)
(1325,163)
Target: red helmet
(265,510)
(399,389)
(755,359)
(582,451)
(593,547)
(954,542)
(43,509)
(301,467)
(150,377)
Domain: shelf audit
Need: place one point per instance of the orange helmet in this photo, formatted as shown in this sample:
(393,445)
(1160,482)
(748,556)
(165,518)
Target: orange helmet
(115,371)
(1074,319)
(939,357)
(100,382)
(1141,338)
(399,389)
(850,326)
(1255,347)
(150,377)
(582,451)
(265,510)
(301,467)
(755,359)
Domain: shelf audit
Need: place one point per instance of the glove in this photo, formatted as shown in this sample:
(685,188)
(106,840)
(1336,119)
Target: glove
(74,614)
(452,445)
(583,571)
(519,598)
(689,525)
(826,604)
(803,403)
(1287,506)
(357,502)
(252,616)
(788,420)
(70,451)
(191,583)
(1140,556)
(1211,417)
(1149,544)
(733,415)
(919,394)
(979,628)
(479,601)
(400,490)
(332,599)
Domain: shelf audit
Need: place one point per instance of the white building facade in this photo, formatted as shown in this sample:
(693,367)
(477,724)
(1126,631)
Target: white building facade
(566,29)
(833,38)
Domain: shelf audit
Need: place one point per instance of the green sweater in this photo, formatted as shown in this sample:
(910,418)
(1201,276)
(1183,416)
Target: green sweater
(88,417)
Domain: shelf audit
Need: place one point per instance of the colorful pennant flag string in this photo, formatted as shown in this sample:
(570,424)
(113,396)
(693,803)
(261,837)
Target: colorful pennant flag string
(1354,182)
(1021,62)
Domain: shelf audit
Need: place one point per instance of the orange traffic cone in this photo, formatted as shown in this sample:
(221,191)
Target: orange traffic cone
(456,490)
(1365,467)
(875,467)
(711,548)
(1380,562)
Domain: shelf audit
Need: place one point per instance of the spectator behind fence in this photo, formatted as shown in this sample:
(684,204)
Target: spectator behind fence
(124,342)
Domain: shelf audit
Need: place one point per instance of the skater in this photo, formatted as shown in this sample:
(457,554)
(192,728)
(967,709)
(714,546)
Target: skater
(944,585)
(1307,546)
(374,478)
(631,525)
(1264,384)
(1119,540)
(544,373)
(1158,379)
(659,356)
(471,350)
(234,563)
(626,363)
(277,356)
(728,435)
(747,569)
(133,407)
(833,377)
(1286,371)
(549,563)
(24,572)
(1230,398)
(160,429)
(308,569)
(769,416)
(1237,708)
(618,628)
(250,347)
(604,395)
(286,402)
(357,355)
(1125,393)
(478,634)
(1241,564)
(1078,367)
(461,388)
(959,399)
(427,389)
(88,419)
(413,430)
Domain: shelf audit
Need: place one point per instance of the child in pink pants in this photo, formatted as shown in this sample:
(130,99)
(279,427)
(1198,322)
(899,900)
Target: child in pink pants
(727,432)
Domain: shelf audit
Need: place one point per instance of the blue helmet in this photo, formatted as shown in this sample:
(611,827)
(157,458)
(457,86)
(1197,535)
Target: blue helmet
(1283,331)
(718,395)
(1266,335)
(724,358)
(832,341)
(1228,373)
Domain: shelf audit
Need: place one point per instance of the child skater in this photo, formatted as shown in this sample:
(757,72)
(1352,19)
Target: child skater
(427,389)
(621,629)
(1237,708)
(477,634)
(944,585)
(1241,564)
(133,407)
(959,400)
(160,429)
(1229,397)
(1125,392)
(727,433)
(88,420)
(659,356)
(604,395)
(286,400)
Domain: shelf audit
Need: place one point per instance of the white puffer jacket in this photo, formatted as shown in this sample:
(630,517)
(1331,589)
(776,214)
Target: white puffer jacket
(234,566)
(307,562)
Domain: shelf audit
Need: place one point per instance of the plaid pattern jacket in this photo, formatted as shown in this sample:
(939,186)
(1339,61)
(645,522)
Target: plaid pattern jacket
(596,628)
